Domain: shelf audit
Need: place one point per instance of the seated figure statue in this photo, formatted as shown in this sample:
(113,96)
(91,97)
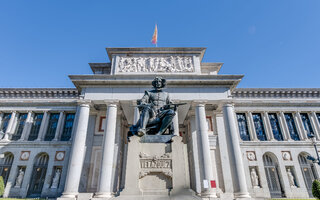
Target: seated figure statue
(156,111)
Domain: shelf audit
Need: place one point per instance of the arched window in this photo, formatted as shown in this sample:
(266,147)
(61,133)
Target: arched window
(5,166)
(308,171)
(38,175)
(273,176)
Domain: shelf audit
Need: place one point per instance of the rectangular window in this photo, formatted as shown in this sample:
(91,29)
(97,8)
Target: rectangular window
(52,126)
(5,121)
(258,125)
(274,121)
(37,119)
(306,123)
(291,126)
(20,125)
(243,128)
(67,128)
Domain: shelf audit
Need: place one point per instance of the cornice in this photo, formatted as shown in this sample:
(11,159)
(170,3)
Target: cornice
(39,93)
(173,80)
(285,93)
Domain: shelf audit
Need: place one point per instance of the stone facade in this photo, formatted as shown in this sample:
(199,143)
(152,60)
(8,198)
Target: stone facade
(229,143)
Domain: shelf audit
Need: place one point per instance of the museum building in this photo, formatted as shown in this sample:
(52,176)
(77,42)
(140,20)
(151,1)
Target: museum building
(226,142)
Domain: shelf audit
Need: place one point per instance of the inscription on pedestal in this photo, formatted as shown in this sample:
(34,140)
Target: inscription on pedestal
(151,164)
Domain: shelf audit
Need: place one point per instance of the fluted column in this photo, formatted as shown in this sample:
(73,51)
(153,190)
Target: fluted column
(202,129)
(59,126)
(284,127)
(315,124)
(237,170)
(268,127)
(10,126)
(27,127)
(77,152)
(299,124)
(252,129)
(105,181)
(43,126)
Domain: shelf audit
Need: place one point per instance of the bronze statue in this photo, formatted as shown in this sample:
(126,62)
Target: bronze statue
(156,111)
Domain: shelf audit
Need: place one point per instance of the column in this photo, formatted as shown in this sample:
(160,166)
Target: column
(10,126)
(175,121)
(252,129)
(315,123)
(284,127)
(195,154)
(27,127)
(237,169)
(43,126)
(77,152)
(224,156)
(298,121)
(105,187)
(59,126)
(267,126)
(202,129)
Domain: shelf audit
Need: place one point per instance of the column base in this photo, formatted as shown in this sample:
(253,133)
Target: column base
(209,196)
(102,196)
(242,196)
(68,196)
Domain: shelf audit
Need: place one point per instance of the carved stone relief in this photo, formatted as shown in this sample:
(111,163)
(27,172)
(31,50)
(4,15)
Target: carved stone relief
(156,64)
(286,155)
(251,155)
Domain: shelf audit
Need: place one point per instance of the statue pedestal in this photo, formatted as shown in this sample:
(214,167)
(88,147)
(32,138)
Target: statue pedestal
(157,168)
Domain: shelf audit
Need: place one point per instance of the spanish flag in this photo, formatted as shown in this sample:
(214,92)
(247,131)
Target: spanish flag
(155,36)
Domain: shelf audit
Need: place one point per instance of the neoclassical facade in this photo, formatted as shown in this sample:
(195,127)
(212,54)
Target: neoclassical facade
(228,143)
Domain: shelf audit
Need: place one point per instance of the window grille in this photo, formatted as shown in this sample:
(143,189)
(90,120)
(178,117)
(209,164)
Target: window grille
(273,178)
(308,171)
(5,166)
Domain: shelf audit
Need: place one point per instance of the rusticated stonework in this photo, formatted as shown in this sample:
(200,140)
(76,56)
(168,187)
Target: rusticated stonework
(156,64)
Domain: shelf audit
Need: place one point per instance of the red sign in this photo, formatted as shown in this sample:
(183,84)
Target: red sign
(213,184)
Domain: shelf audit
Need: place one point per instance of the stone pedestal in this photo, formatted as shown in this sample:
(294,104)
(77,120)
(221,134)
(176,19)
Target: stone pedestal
(157,170)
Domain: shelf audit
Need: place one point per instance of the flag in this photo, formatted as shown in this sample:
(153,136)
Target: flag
(155,36)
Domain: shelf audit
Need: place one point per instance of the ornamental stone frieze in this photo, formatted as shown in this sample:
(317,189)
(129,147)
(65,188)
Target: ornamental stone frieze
(156,64)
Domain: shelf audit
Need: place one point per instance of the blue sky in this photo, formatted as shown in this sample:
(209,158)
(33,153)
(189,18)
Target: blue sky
(274,43)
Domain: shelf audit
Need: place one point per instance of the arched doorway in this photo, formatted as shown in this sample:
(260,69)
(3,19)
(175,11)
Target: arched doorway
(308,171)
(5,166)
(38,175)
(273,176)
